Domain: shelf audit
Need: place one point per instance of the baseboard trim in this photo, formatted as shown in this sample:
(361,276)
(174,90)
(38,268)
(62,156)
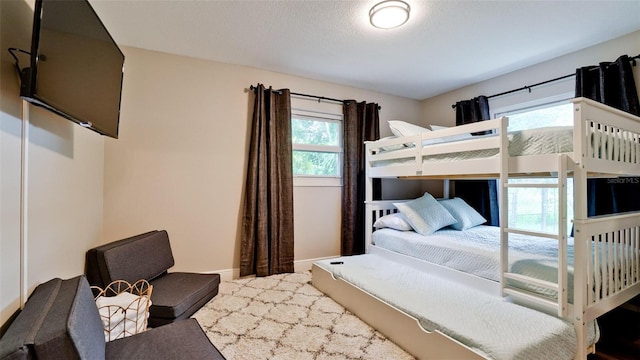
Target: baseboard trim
(298,266)
(227,274)
(305,265)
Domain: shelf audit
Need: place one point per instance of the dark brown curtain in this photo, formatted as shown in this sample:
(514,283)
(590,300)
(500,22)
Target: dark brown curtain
(474,110)
(611,83)
(482,195)
(267,224)
(361,123)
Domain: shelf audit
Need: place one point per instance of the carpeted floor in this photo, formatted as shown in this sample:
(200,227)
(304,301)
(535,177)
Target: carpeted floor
(285,317)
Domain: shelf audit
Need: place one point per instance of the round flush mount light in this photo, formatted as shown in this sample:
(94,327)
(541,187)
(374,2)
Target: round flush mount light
(389,14)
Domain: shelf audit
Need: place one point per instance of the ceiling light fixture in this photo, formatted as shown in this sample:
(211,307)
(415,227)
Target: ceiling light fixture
(389,14)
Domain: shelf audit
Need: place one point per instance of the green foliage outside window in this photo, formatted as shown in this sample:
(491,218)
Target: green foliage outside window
(536,209)
(315,132)
(315,163)
(324,136)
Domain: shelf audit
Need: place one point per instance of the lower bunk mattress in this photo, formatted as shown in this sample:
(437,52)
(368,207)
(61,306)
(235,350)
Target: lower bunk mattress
(486,324)
(477,251)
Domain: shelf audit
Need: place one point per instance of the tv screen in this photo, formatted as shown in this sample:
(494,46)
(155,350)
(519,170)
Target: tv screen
(76,67)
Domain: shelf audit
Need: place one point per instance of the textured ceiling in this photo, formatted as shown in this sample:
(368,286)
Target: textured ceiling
(445,45)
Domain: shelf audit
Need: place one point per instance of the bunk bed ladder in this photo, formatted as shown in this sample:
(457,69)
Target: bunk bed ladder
(514,284)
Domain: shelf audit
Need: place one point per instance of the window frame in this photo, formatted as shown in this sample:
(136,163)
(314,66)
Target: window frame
(320,180)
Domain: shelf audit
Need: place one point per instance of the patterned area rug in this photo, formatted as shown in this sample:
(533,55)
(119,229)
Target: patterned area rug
(285,317)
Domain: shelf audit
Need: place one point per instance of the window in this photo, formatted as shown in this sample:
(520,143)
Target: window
(317,148)
(536,209)
(550,114)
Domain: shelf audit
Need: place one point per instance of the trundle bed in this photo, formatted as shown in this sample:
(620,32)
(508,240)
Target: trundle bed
(585,276)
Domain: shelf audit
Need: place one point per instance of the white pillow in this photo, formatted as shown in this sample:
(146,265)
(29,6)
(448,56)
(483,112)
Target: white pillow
(437,127)
(393,221)
(425,214)
(401,128)
(391,147)
(466,216)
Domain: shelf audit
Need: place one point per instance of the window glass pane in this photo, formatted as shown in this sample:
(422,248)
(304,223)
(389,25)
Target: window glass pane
(554,115)
(315,131)
(315,163)
(536,209)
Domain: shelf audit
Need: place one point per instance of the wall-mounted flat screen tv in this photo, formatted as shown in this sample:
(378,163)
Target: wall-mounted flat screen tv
(76,67)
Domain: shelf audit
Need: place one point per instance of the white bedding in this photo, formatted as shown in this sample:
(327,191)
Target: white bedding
(477,251)
(495,328)
(538,141)
(547,140)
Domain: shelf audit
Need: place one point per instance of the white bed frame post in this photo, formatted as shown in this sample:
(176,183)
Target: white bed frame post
(580,272)
(580,238)
(368,198)
(563,278)
(503,200)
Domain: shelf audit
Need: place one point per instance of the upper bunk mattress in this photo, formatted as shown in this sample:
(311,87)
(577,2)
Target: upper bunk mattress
(546,140)
(493,327)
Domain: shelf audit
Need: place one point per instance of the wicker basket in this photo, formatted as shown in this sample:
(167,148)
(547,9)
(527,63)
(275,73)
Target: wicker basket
(124,308)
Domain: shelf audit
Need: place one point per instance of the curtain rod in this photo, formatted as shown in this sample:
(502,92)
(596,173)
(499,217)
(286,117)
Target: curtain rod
(528,87)
(253,88)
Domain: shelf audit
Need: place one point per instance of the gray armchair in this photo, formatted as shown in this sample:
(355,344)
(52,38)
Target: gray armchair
(175,296)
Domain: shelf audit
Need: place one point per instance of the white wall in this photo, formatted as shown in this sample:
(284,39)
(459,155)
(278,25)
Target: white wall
(64,186)
(438,109)
(180,161)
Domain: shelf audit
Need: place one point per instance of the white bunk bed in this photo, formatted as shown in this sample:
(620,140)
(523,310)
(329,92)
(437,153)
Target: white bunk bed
(605,143)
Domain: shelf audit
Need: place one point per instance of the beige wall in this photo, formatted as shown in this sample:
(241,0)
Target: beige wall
(179,163)
(438,109)
(64,184)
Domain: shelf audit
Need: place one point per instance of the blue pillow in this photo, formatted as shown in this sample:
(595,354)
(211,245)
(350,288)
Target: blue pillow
(425,214)
(466,216)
